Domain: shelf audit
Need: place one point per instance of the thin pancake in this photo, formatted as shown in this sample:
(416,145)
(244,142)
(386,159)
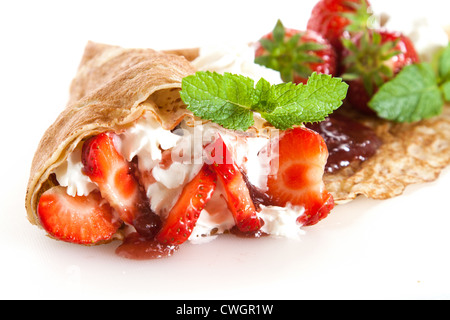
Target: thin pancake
(113,88)
(411,153)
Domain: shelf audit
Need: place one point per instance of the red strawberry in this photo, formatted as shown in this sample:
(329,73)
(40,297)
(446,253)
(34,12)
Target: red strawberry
(330,18)
(312,217)
(183,216)
(103,164)
(371,58)
(296,54)
(238,195)
(297,168)
(80,219)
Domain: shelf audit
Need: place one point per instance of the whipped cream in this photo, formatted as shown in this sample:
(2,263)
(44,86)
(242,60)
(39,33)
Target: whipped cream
(69,174)
(282,221)
(236,59)
(145,139)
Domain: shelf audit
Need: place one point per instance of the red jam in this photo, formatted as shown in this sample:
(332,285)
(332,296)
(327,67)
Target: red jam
(137,247)
(254,234)
(347,141)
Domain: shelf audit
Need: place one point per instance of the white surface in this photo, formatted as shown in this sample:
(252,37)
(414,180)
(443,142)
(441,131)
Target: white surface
(393,249)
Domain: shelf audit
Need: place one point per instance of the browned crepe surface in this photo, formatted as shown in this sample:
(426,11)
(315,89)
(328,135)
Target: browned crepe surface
(113,87)
(189,53)
(411,153)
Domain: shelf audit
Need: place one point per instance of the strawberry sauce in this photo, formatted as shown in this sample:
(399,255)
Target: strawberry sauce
(258,197)
(253,234)
(137,247)
(348,141)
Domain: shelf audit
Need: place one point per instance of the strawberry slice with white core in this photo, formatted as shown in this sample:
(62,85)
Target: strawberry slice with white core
(183,216)
(238,196)
(105,166)
(296,173)
(80,219)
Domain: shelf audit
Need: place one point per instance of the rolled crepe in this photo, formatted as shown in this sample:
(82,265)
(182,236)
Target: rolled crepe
(113,87)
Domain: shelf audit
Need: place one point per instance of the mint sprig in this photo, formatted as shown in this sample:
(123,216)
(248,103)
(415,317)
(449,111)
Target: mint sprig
(444,72)
(230,100)
(418,92)
(411,96)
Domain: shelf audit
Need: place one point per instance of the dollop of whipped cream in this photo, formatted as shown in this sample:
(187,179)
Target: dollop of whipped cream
(282,221)
(69,174)
(238,59)
(145,139)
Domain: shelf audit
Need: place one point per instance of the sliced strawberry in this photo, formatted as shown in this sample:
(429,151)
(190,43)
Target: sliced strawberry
(296,54)
(80,219)
(311,217)
(103,164)
(183,216)
(297,167)
(238,194)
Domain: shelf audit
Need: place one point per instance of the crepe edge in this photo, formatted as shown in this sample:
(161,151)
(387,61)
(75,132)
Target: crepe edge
(41,170)
(411,153)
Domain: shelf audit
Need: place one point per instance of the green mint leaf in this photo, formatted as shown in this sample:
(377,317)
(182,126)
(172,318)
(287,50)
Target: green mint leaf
(445,88)
(263,97)
(225,99)
(230,100)
(444,64)
(312,102)
(411,96)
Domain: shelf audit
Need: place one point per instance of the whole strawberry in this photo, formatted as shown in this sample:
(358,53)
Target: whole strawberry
(330,18)
(371,58)
(295,54)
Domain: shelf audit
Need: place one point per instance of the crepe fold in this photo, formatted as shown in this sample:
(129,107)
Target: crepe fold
(113,88)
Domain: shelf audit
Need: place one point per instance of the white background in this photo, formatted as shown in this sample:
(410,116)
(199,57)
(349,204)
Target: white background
(393,249)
